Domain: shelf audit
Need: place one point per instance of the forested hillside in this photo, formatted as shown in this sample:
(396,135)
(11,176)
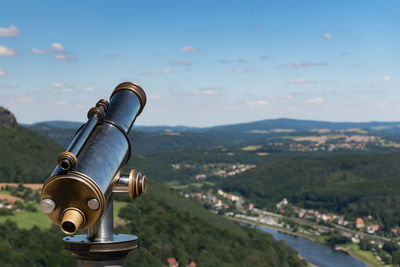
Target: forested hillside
(169,225)
(354,185)
(25,155)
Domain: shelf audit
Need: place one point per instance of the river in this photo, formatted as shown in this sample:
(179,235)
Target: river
(314,252)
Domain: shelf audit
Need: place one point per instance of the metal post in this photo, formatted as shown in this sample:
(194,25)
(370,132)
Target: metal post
(100,247)
(102,231)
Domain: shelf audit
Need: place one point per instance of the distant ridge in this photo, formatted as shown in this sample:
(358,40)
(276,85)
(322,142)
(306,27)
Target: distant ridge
(269,124)
(155,139)
(301,125)
(57,124)
(75,125)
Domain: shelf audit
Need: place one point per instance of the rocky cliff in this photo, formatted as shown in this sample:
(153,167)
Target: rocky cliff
(7,119)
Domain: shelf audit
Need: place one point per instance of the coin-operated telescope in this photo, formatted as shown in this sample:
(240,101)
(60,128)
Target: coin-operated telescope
(79,193)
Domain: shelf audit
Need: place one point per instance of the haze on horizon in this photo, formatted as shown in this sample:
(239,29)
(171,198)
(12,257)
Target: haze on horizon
(203,63)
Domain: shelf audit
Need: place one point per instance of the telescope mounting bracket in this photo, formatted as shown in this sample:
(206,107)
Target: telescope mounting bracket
(101,247)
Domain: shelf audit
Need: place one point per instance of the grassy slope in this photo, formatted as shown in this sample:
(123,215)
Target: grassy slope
(27,219)
(363,255)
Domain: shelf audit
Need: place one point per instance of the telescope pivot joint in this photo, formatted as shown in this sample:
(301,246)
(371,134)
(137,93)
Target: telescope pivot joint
(134,184)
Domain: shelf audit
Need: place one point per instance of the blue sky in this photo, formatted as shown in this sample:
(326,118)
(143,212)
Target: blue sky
(203,63)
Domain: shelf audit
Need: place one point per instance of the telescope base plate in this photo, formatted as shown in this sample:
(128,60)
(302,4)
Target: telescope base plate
(104,253)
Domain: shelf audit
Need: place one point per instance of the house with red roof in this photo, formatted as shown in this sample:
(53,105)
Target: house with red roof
(171,262)
(360,223)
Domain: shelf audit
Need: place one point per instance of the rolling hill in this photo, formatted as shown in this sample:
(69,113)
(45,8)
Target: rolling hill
(353,185)
(157,139)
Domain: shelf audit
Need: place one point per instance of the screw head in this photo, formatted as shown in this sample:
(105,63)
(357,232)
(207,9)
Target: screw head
(93,204)
(47,205)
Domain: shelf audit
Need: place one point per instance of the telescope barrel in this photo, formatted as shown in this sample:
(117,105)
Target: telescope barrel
(100,149)
(67,160)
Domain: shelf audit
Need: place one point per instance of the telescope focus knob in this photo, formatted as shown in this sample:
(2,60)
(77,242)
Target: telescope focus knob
(134,184)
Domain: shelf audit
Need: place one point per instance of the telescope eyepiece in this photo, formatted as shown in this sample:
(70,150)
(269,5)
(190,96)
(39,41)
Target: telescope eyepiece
(72,220)
(68,227)
(67,161)
(65,164)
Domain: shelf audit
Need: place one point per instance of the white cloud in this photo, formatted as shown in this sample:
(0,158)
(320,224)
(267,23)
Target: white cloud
(304,64)
(61,103)
(59,85)
(241,60)
(208,92)
(190,49)
(386,78)
(3,72)
(315,100)
(90,89)
(240,70)
(258,103)
(7,52)
(327,36)
(67,90)
(63,57)
(300,80)
(9,32)
(57,46)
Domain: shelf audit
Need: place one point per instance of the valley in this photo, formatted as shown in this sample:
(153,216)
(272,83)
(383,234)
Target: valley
(327,175)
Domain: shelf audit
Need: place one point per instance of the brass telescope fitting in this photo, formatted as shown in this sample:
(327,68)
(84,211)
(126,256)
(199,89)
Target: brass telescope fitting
(137,184)
(134,184)
(67,161)
(134,88)
(72,220)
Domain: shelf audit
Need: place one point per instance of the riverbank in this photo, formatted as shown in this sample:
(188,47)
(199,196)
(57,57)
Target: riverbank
(352,249)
